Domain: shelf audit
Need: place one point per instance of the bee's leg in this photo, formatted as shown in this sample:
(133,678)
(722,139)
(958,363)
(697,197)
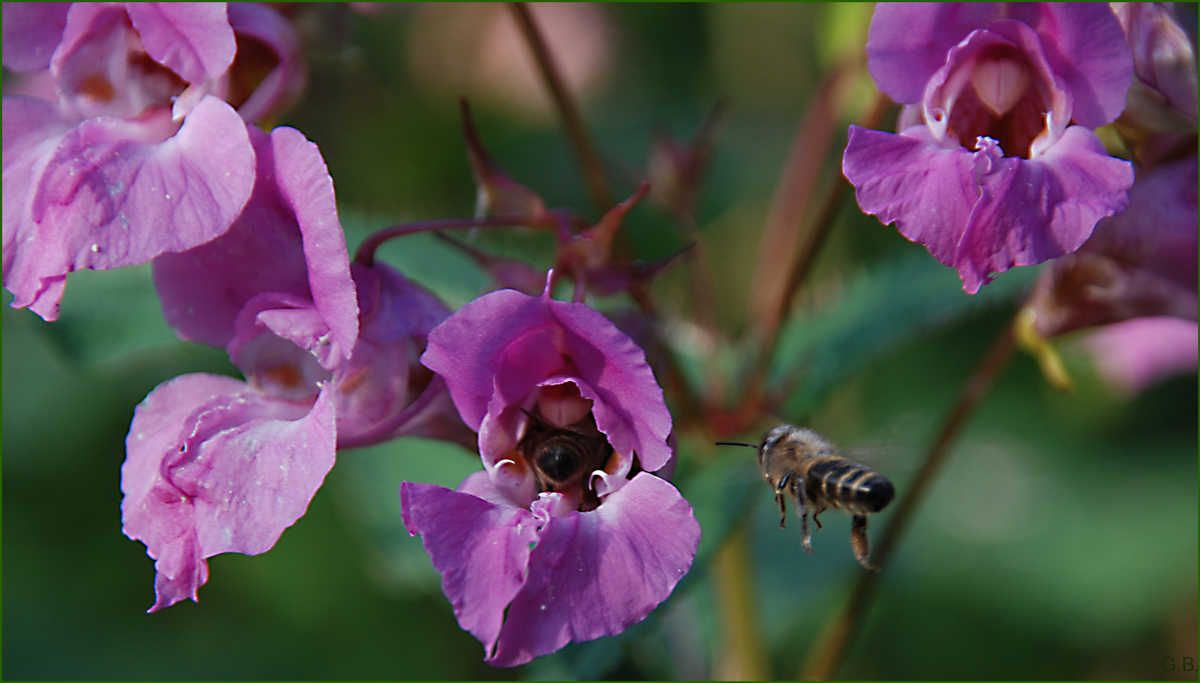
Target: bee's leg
(802,508)
(815,513)
(779,489)
(860,543)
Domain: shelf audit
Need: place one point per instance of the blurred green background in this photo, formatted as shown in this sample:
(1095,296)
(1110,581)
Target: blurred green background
(1059,542)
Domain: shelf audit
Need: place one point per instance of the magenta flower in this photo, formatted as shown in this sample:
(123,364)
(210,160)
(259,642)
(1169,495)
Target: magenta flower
(218,465)
(1141,262)
(141,154)
(552,544)
(995,165)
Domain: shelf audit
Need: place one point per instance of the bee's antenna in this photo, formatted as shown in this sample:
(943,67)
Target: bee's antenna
(736,443)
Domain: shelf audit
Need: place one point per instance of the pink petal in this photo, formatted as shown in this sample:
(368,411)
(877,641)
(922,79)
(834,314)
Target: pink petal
(467,349)
(288,240)
(1083,43)
(616,368)
(909,41)
(596,573)
(105,201)
(32,129)
(214,467)
(1042,208)
(1135,354)
(31,32)
(928,191)
(193,39)
(305,184)
(1085,46)
(481,548)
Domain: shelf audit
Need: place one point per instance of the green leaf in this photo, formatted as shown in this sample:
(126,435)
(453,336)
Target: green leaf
(721,492)
(113,317)
(879,311)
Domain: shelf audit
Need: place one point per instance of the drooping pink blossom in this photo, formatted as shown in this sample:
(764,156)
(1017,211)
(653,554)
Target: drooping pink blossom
(216,464)
(140,153)
(533,554)
(996,164)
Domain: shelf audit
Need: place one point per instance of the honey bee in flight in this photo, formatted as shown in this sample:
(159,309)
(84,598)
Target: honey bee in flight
(801,464)
(564,456)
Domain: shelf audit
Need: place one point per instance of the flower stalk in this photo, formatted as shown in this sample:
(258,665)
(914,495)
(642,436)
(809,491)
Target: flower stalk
(593,170)
(830,651)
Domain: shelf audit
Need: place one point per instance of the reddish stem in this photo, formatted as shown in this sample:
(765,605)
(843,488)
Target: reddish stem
(365,254)
(593,171)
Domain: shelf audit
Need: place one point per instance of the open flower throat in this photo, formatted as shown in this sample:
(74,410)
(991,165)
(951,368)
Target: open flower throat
(996,84)
(995,163)
(1001,103)
(563,446)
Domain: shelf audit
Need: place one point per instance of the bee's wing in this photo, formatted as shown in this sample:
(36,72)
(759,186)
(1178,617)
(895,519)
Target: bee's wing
(886,459)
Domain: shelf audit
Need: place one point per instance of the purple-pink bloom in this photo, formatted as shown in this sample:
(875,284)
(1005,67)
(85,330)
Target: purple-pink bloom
(218,465)
(1134,354)
(533,557)
(141,153)
(383,390)
(1141,262)
(995,164)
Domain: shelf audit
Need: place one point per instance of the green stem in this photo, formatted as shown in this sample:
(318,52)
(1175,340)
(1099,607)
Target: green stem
(827,655)
(742,656)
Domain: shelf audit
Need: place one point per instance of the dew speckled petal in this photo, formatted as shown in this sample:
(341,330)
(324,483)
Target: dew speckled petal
(214,467)
(596,573)
(481,549)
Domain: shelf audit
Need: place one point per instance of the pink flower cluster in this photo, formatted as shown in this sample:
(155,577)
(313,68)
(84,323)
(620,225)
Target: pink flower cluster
(329,352)
(143,156)
(147,152)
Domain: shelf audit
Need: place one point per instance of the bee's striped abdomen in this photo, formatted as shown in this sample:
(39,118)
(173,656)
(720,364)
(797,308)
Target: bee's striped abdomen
(849,486)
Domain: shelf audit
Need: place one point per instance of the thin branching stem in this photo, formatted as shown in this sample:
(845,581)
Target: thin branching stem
(806,253)
(365,254)
(589,161)
(827,655)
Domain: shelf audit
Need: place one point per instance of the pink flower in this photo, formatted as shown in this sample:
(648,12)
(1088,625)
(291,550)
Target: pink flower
(1135,354)
(1141,262)
(141,154)
(218,465)
(552,543)
(996,165)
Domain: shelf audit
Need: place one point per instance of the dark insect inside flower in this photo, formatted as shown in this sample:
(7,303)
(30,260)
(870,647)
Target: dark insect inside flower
(564,456)
(801,464)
